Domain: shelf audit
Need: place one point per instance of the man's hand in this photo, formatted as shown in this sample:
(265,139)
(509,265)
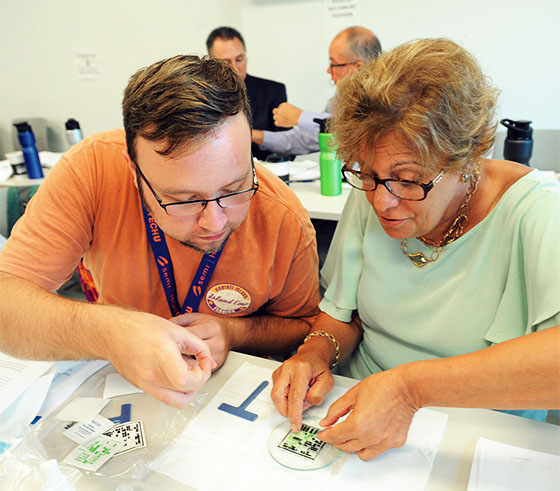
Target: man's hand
(381,410)
(301,382)
(211,329)
(286,115)
(160,358)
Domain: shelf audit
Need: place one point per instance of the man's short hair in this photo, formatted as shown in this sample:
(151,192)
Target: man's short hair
(180,100)
(223,32)
(362,43)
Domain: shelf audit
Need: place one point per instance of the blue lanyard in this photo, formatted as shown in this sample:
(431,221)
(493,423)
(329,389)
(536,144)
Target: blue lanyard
(165,269)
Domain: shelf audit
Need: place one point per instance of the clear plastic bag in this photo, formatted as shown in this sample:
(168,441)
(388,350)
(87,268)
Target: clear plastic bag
(20,464)
(161,423)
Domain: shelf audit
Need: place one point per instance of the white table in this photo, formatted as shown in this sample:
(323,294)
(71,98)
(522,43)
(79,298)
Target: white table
(319,206)
(309,193)
(454,458)
(48,160)
(21,181)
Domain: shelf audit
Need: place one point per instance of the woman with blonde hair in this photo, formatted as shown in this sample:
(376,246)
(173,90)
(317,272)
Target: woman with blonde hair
(443,278)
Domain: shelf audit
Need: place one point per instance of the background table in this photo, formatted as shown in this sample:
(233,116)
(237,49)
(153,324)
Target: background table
(319,206)
(309,193)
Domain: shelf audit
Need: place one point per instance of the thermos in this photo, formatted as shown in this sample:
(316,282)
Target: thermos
(518,145)
(30,153)
(73,132)
(329,164)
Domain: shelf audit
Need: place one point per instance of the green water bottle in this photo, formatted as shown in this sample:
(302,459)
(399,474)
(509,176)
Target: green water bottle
(329,164)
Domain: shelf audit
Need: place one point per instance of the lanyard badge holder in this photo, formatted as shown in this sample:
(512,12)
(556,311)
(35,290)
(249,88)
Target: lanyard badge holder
(165,270)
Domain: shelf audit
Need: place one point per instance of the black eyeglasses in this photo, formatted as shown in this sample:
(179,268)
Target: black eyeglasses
(336,65)
(408,190)
(194,207)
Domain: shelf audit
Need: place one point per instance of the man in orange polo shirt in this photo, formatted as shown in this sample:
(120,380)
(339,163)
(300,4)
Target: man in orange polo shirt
(194,249)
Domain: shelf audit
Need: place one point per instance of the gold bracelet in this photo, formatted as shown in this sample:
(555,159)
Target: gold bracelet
(331,338)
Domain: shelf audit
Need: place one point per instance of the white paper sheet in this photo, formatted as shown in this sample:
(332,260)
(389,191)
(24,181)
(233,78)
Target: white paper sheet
(48,159)
(17,375)
(5,170)
(69,376)
(304,170)
(219,451)
(82,409)
(24,409)
(117,385)
(498,466)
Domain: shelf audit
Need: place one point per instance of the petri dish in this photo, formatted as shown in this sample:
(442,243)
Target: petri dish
(301,450)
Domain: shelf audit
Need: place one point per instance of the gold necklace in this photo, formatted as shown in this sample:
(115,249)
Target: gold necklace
(455,231)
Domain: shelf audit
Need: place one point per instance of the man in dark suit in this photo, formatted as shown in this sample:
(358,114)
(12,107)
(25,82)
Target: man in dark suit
(264,95)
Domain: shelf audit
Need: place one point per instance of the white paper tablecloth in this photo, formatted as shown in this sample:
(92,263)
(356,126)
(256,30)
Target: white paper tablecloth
(219,451)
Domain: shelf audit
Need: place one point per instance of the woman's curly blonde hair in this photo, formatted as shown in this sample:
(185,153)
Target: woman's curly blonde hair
(432,92)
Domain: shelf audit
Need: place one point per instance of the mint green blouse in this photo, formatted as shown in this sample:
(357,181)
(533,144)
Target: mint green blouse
(498,281)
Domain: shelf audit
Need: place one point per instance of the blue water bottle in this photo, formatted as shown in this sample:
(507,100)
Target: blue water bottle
(30,153)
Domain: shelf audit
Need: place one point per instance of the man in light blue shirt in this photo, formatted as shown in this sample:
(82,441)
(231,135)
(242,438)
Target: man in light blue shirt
(348,51)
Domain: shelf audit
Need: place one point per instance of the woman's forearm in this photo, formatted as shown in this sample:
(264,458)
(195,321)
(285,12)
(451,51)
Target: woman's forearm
(523,373)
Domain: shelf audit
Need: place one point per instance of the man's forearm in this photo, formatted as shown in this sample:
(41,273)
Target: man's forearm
(37,324)
(266,334)
(523,373)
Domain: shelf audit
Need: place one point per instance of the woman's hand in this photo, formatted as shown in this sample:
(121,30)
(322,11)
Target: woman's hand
(380,409)
(302,381)
(305,379)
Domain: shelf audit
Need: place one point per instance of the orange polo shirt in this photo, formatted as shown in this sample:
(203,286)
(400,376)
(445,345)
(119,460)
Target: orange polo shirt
(89,207)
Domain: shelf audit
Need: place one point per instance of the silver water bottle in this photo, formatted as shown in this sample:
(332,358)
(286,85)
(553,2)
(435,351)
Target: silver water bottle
(73,132)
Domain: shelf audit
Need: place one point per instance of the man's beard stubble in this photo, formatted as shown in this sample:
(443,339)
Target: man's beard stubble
(183,242)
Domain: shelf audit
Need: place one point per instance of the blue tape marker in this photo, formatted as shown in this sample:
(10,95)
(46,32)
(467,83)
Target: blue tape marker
(240,411)
(124,417)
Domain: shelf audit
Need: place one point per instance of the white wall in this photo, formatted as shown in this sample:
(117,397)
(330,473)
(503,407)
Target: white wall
(39,39)
(516,41)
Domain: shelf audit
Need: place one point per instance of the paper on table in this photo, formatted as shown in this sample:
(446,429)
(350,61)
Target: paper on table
(24,409)
(116,385)
(241,448)
(70,375)
(93,455)
(17,375)
(82,409)
(304,170)
(83,433)
(48,159)
(501,466)
(5,170)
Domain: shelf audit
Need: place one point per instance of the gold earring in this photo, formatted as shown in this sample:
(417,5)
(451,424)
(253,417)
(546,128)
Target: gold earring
(465,177)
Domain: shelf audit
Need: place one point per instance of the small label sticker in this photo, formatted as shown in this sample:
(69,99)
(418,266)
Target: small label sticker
(227,298)
(93,455)
(131,434)
(85,432)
